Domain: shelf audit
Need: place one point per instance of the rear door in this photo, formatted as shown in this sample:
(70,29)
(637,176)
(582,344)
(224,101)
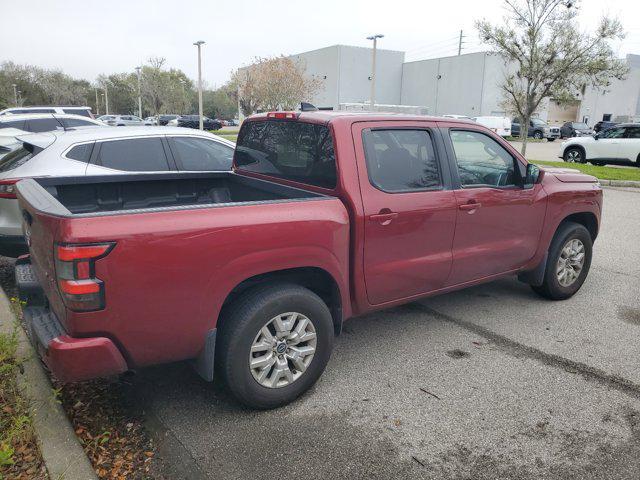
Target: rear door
(409,208)
(498,220)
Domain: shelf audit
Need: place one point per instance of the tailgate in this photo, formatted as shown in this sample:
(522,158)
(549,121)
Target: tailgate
(40,229)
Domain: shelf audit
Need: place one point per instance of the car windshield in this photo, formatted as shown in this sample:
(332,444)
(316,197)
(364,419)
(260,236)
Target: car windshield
(538,123)
(581,126)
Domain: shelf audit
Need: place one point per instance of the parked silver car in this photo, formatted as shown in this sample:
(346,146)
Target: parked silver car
(123,120)
(100,151)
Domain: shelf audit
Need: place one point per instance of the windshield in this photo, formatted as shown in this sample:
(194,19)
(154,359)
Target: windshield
(538,123)
(581,126)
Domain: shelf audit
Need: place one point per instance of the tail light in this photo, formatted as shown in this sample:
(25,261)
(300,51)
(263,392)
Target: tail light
(75,269)
(8,188)
(283,115)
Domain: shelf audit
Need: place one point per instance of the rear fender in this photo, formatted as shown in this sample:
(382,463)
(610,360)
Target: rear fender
(223,281)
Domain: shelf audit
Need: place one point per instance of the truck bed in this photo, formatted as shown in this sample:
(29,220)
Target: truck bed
(108,195)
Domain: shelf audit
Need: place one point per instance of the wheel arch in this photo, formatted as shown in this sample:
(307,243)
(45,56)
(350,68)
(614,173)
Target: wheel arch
(316,279)
(586,219)
(577,147)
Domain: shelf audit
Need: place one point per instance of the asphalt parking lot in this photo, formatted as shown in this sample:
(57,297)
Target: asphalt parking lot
(490,382)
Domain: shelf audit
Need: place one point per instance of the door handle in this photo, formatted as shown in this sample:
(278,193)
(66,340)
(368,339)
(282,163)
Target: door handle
(470,207)
(383,218)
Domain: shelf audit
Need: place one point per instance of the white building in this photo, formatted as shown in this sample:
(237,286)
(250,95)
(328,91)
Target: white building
(464,85)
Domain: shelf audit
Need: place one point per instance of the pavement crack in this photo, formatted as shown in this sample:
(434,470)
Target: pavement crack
(517,349)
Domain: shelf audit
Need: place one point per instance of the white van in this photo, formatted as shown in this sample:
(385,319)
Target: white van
(500,125)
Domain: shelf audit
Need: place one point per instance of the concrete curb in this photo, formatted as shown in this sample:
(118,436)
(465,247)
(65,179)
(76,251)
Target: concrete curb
(620,183)
(63,456)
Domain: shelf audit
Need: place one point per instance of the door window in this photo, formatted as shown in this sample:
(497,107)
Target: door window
(202,154)
(75,122)
(401,160)
(482,161)
(135,155)
(43,125)
(632,132)
(613,133)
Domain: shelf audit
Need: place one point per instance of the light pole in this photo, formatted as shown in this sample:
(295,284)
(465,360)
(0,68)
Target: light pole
(106,101)
(373,67)
(183,82)
(199,44)
(97,104)
(15,93)
(139,70)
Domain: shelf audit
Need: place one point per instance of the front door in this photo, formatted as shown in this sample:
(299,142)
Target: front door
(607,145)
(498,220)
(409,209)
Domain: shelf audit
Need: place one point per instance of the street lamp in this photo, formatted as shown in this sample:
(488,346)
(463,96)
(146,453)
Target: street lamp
(139,69)
(373,67)
(106,101)
(199,44)
(15,93)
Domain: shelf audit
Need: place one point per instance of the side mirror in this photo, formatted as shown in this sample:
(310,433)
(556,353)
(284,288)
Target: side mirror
(532,176)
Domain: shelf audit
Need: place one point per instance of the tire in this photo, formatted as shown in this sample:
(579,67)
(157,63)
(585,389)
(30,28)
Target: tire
(537,135)
(574,155)
(551,287)
(242,324)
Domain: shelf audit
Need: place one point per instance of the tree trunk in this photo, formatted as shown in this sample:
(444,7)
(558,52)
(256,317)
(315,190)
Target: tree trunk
(524,133)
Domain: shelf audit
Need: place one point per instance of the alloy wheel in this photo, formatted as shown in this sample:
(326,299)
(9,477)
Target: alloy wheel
(282,350)
(570,262)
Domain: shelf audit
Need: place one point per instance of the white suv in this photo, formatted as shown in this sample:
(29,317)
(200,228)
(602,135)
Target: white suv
(100,151)
(123,120)
(619,144)
(83,111)
(46,122)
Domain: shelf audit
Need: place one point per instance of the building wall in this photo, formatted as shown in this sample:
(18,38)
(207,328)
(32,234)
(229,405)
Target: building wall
(324,65)
(461,85)
(622,98)
(345,73)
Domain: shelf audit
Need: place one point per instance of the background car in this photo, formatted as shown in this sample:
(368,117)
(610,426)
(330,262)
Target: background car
(500,125)
(123,120)
(82,111)
(233,122)
(166,118)
(192,121)
(619,144)
(603,125)
(537,129)
(100,151)
(46,122)
(575,129)
(151,121)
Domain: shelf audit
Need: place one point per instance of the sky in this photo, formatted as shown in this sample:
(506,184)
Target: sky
(85,38)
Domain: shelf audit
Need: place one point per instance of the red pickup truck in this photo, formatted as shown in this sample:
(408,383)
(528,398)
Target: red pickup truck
(325,216)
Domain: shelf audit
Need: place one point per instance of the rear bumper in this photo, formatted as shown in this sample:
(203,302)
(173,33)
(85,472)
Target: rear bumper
(70,359)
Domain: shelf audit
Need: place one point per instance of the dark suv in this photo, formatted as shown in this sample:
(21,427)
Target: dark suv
(537,129)
(575,129)
(193,121)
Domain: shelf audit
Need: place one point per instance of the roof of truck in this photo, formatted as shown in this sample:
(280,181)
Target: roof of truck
(325,116)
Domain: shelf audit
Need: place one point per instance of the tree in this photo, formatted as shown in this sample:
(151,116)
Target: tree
(122,89)
(220,103)
(165,91)
(550,56)
(274,83)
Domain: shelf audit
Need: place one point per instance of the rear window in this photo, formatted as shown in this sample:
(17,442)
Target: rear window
(39,125)
(78,111)
(81,153)
(297,151)
(14,155)
(14,124)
